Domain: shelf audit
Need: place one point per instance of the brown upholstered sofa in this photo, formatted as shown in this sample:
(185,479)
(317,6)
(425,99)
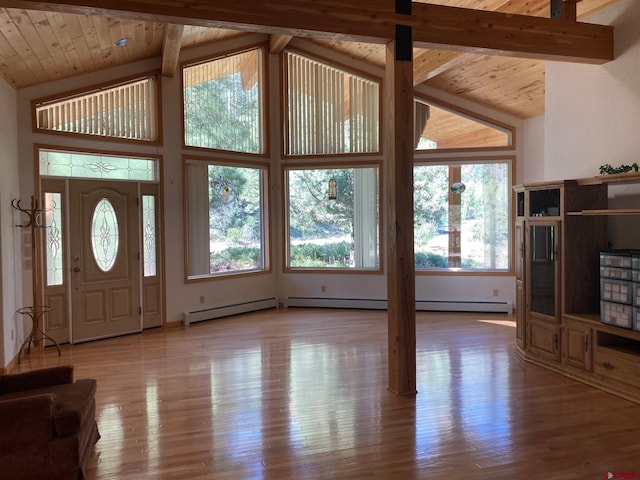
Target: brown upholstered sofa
(47,424)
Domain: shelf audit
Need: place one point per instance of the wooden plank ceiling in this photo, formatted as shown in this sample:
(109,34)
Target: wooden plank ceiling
(40,46)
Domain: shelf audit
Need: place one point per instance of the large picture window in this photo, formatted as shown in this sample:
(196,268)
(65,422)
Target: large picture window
(225,218)
(333,218)
(462,216)
(223,103)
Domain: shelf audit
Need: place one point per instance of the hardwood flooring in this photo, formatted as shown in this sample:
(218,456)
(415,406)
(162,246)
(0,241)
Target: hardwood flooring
(301,394)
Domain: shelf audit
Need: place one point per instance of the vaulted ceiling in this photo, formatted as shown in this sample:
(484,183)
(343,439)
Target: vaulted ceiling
(38,46)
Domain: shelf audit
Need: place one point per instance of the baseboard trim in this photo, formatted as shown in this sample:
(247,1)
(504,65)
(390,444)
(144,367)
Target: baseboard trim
(421,305)
(228,310)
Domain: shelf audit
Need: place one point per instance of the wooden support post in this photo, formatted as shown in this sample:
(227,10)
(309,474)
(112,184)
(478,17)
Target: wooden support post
(564,9)
(570,10)
(401,295)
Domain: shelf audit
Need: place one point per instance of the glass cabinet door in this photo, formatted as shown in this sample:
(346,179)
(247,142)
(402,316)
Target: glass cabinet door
(543,267)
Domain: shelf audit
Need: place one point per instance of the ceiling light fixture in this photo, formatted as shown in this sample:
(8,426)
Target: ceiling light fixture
(122,42)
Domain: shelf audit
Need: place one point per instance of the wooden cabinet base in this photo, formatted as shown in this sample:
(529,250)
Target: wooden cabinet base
(603,356)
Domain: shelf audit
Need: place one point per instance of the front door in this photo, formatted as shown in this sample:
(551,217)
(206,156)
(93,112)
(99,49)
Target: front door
(104,259)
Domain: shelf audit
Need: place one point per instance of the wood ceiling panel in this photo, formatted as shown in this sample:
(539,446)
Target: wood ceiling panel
(39,46)
(194,36)
(64,43)
(14,36)
(511,85)
(451,130)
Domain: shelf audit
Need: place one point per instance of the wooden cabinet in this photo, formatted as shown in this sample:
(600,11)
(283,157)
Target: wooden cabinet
(616,357)
(543,339)
(556,262)
(576,344)
(560,230)
(521,325)
(604,356)
(520,293)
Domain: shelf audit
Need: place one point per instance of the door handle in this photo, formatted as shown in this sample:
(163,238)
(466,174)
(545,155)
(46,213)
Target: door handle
(77,269)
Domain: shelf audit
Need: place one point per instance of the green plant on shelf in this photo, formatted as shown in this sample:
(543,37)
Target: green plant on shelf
(607,169)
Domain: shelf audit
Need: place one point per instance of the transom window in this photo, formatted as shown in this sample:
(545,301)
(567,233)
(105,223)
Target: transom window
(73,164)
(126,111)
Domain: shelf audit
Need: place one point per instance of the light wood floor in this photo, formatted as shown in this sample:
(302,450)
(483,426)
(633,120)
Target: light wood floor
(301,394)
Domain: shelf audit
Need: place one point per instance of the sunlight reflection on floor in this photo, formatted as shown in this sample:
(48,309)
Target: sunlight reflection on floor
(504,323)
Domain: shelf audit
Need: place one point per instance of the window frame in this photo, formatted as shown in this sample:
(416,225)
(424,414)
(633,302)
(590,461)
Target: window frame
(312,165)
(79,92)
(510,130)
(265,199)
(284,86)
(483,159)
(263,99)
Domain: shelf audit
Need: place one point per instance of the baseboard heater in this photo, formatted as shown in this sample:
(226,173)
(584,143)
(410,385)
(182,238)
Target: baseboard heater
(421,305)
(228,310)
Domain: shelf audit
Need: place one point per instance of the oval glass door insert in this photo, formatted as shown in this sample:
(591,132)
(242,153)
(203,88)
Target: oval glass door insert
(104,235)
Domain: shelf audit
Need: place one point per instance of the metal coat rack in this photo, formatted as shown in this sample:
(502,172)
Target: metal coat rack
(35,312)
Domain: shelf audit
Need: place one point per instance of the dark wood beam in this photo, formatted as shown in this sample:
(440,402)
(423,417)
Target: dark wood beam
(496,33)
(434,26)
(171,44)
(399,147)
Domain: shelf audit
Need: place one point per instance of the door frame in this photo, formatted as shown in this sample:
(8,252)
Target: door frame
(144,188)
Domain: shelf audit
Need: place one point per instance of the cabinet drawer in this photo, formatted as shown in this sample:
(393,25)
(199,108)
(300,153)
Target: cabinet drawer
(617,365)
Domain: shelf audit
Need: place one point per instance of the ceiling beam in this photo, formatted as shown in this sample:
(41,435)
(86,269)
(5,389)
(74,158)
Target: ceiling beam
(278,42)
(171,43)
(497,33)
(434,26)
(430,63)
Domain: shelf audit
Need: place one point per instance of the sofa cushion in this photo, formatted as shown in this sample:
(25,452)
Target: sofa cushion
(73,404)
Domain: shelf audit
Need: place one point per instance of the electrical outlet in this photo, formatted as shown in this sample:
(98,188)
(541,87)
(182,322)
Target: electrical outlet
(323,288)
(495,292)
(201,298)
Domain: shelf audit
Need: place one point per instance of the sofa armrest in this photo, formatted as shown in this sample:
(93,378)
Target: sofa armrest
(26,430)
(45,377)
(24,414)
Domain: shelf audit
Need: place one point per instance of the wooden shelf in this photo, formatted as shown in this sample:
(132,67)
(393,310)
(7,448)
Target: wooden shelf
(608,212)
(588,317)
(620,178)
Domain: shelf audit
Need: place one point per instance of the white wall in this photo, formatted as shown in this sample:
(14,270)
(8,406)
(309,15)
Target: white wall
(531,164)
(593,111)
(10,261)
(593,117)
